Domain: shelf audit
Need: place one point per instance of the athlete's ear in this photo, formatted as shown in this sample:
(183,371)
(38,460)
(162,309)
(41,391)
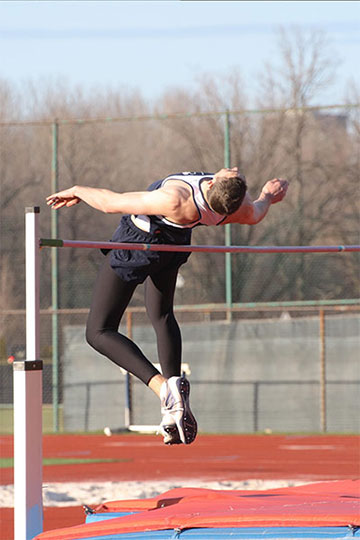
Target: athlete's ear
(210,183)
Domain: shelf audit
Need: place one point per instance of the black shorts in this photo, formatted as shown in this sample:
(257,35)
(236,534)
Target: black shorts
(135,266)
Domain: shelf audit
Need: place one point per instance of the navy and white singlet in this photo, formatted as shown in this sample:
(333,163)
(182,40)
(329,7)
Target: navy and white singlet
(135,266)
(206,216)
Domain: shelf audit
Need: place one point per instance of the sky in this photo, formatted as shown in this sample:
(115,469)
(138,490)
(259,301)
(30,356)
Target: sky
(153,46)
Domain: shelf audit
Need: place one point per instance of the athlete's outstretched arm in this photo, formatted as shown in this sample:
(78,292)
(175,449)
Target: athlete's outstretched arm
(161,201)
(252,212)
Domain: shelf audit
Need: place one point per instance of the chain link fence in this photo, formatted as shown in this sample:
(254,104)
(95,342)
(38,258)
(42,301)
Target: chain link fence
(318,154)
(288,379)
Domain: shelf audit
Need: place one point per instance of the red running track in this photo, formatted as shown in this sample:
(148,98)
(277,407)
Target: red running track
(210,458)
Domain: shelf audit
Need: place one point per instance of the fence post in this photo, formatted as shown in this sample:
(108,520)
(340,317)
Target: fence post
(256,406)
(323,419)
(28,507)
(128,381)
(228,261)
(54,282)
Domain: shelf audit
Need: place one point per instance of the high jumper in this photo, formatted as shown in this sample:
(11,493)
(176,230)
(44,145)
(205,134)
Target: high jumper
(165,213)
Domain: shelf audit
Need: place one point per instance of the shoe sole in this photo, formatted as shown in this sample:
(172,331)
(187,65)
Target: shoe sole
(188,423)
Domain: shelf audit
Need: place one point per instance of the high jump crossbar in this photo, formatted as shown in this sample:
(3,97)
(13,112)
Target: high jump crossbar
(58,243)
(28,503)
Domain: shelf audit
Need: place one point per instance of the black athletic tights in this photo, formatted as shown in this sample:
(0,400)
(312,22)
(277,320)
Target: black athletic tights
(110,298)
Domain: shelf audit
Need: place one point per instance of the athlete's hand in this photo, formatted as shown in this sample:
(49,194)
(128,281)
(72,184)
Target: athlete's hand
(276,189)
(66,197)
(228,173)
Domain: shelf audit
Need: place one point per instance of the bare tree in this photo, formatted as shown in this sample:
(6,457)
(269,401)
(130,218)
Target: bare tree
(290,145)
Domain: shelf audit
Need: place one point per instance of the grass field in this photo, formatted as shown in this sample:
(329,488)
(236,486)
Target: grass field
(7,419)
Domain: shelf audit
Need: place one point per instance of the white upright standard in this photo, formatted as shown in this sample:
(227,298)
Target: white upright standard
(28,514)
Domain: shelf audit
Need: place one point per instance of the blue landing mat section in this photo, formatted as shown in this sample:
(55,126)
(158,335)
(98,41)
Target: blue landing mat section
(93,518)
(235,533)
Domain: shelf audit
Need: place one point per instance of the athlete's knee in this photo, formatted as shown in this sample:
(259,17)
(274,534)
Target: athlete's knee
(92,337)
(167,324)
(159,318)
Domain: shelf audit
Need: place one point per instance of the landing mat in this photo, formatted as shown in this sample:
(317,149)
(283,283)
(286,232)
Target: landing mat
(197,513)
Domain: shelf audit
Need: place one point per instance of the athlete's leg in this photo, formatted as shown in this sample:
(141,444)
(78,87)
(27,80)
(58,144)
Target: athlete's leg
(178,423)
(111,296)
(159,299)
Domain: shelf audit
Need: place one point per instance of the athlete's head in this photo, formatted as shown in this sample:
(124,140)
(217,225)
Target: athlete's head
(226,193)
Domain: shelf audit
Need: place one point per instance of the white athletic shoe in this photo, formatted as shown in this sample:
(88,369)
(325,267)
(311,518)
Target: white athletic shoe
(178,424)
